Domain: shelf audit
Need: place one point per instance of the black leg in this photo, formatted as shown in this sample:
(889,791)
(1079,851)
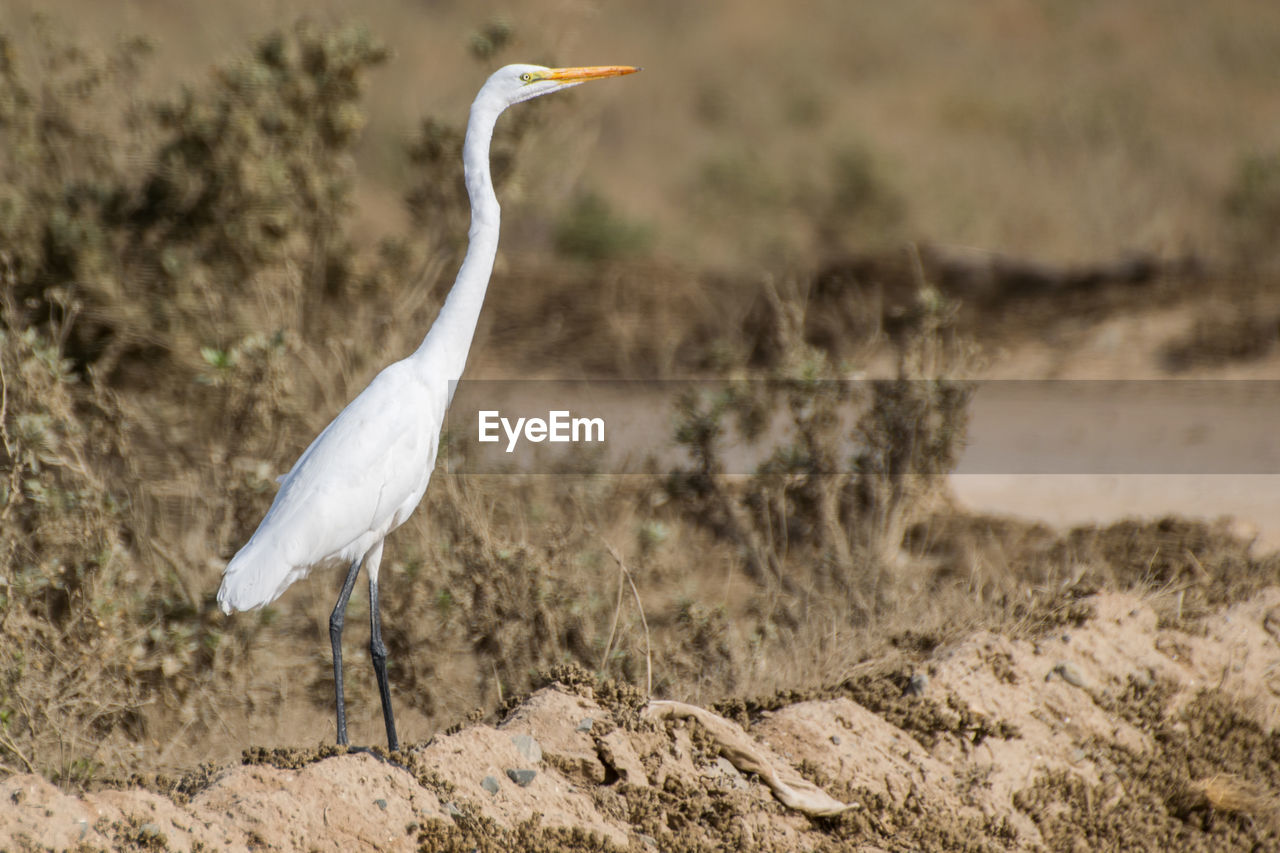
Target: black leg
(335,638)
(378,652)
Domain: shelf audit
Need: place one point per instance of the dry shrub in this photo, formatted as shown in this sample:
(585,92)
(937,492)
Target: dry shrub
(1252,209)
(830,505)
(96,627)
(818,575)
(69,639)
(187,280)
(1224,334)
(510,584)
(156,274)
(1205,565)
(188,316)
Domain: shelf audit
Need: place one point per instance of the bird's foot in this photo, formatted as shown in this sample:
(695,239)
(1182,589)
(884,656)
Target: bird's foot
(378,753)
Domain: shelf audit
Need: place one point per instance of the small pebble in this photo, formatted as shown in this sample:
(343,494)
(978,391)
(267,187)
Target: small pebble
(1068,673)
(380,803)
(523,778)
(917,685)
(585,725)
(149,830)
(528,747)
(835,739)
(490,784)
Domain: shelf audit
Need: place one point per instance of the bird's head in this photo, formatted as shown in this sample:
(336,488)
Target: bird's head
(512,84)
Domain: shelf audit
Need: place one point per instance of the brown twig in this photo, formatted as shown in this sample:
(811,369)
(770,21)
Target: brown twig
(613,628)
(648,649)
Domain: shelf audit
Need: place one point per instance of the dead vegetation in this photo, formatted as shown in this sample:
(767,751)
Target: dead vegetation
(1202,787)
(1135,748)
(185,306)
(182,298)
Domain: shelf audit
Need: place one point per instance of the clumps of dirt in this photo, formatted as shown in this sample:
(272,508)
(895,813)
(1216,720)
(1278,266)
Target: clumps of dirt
(917,824)
(915,820)
(713,808)
(1142,703)
(471,833)
(133,833)
(1220,735)
(409,760)
(1200,788)
(745,710)
(475,715)
(193,782)
(290,758)
(623,701)
(427,776)
(181,789)
(683,817)
(890,696)
(1123,731)
(924,718)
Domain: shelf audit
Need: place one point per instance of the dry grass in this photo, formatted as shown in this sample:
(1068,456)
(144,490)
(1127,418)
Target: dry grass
(65,637)
(192,293)
(1042,131)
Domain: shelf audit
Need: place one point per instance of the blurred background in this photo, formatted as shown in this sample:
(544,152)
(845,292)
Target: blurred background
(1064,131)
(218,221)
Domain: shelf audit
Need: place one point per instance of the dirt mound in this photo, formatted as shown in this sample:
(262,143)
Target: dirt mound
(1121,729)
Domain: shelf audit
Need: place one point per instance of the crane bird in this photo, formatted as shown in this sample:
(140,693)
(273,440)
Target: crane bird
(368,469)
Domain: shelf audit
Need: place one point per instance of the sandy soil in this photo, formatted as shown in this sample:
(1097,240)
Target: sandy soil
(1124,726)
(1121,725)
(968,756)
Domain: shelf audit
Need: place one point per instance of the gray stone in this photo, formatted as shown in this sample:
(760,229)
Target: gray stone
(490,784)
(528,747)
(523,778)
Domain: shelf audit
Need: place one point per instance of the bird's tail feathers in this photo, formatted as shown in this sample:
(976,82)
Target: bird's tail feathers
(254,578)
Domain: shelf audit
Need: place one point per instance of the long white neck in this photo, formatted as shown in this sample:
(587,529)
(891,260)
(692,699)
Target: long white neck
(444,350)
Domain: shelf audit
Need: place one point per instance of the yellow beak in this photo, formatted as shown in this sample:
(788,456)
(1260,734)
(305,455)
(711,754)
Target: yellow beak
(591,72)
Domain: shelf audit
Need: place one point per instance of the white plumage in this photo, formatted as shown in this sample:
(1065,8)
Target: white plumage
(368,470)
(359,480)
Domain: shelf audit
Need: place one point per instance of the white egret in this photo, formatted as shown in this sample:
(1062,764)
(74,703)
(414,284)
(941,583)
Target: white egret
(367,471)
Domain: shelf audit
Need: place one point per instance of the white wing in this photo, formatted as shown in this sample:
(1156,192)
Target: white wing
(360,479)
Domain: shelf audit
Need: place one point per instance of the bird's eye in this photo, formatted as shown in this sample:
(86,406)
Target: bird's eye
(526,77)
